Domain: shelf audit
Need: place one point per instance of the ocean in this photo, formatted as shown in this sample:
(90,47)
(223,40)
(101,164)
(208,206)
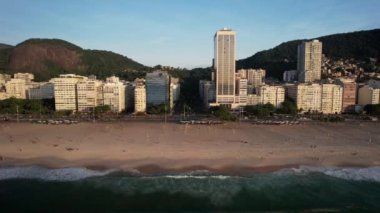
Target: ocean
(301,189)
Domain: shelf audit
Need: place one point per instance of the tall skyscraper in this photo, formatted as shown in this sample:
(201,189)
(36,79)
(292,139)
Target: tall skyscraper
(309,61)
(224,65)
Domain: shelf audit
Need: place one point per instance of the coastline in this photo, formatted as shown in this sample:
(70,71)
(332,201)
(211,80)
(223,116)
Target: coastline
(151,148)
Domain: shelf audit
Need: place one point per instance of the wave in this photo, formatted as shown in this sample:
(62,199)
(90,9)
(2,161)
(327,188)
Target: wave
(42,173)
(347,173)
(79,173)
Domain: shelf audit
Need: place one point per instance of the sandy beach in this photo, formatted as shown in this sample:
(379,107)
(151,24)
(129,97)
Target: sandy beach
(154,146)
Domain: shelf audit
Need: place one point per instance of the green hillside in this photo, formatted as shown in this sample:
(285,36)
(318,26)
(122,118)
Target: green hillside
(48,58)
(358,45)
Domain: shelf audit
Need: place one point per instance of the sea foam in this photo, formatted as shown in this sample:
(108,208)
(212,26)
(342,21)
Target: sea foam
(347,173)
(37,172)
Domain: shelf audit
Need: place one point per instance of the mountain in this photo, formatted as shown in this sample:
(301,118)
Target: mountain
(359,45)
(5,46)
(47,58)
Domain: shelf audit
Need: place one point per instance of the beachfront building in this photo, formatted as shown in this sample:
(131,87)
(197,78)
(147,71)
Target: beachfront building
(306,96)
(87,94)
(349,93)
(65,91)
(241,90)
(140,96)
(157,88)
(368,95)
(271,94)
(309,61)
(41,90)
(16,88)
(224,65)
(253,99)
(4,78)
(28,77)
(290,76)
(113,94)
(331,100)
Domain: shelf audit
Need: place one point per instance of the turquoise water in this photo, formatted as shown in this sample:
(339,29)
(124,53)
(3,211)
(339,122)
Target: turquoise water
(304,189)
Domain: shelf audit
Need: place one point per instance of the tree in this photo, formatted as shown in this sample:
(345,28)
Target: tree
(222,113)
(102,109)
(372,109)
(288,107)
(260,110)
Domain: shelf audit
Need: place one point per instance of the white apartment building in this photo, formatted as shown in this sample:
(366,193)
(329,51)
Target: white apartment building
(271,94)
(114,94)
(331,101)
(309,61)
(306,96)
(28,77)
(253,99)
(16,88)
(368,95)
(87,94)
(65,91)
(140,96)
(242,90)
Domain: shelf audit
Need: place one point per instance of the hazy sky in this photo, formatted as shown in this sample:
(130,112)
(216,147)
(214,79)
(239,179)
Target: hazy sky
(180,32)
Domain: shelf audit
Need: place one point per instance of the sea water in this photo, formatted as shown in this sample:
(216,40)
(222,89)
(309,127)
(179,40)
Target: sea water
(301,189)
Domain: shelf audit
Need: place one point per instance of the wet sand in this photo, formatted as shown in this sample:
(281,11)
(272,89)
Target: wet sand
(154,147)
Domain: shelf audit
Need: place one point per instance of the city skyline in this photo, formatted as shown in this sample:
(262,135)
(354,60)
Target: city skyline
(155,32)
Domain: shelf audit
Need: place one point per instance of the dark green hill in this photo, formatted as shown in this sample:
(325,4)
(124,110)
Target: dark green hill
(358,45)
(47,58)
(5,46)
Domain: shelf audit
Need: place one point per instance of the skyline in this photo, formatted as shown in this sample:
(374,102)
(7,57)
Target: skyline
(180,33)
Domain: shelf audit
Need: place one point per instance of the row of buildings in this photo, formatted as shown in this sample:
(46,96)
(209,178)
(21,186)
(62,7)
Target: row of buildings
(81,93)
(243,87)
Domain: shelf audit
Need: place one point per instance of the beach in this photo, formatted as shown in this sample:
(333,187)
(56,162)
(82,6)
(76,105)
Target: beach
(153,147)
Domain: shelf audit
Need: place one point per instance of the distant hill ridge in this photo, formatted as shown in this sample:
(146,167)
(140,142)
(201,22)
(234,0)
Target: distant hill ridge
(358,45)
(47,58)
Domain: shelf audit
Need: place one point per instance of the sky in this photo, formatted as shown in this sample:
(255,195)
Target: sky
(180,33)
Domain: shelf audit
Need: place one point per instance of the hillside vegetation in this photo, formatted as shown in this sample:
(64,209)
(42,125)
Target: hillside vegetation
(360,45)
(47,58)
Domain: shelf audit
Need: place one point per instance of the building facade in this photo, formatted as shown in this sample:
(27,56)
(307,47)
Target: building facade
(331,100)
(87,94)
(157,88)
(140,96)
(16,88)
(306,96)
(43,90)
(65,91)
(349,93)
(114,94)
(274,95)
(256,77)
(368,95)
(309,63)
(224,65)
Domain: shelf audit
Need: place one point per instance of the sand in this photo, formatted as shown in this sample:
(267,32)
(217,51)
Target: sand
(154,146)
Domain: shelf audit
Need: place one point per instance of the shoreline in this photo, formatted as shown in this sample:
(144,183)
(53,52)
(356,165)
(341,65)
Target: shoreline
(149,147)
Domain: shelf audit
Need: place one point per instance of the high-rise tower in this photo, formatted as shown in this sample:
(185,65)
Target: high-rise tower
(309,61)
(224,65)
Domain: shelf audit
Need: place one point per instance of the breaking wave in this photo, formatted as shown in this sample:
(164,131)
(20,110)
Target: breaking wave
(42,173)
